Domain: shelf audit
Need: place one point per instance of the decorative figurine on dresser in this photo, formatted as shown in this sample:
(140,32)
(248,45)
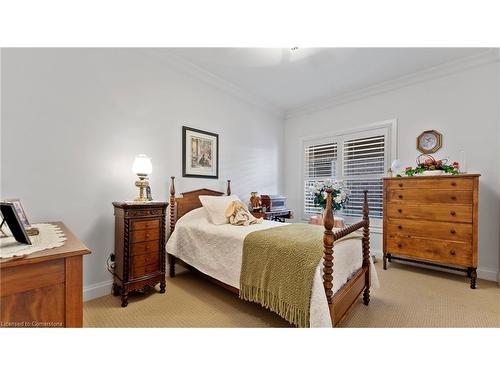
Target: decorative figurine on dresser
(433,218)
(139,247)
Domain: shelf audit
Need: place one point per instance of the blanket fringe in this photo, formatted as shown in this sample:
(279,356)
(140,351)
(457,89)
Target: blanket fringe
(270,301)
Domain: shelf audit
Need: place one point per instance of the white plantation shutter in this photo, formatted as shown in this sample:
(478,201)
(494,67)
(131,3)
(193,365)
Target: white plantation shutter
(363,169)
(320,163)
(360,159)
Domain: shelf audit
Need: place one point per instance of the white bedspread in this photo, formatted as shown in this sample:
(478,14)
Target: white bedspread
(216,250)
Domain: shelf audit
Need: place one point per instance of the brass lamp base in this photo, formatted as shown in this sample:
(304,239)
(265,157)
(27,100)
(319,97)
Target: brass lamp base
(141,183)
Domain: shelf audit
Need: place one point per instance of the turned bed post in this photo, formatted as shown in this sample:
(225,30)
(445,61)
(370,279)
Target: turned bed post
(366,248)
(328,244)
(171,258)
(228,188)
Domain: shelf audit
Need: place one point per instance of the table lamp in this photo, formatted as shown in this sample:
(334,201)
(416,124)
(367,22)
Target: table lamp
(142,167)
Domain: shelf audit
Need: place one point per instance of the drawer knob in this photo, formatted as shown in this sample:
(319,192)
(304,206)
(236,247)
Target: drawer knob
(399,245)
(400,196)
(147,235)
(453,198)
(400,185)
(452,231)
(452,252)
(453,213)
(400,227)
(453,184)
(400,210)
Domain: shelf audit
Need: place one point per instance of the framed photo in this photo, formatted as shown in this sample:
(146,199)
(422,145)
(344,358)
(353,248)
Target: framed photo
(200,153)
(9,214)
(20,211)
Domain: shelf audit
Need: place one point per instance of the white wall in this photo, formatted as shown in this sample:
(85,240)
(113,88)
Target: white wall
(73,120)
(464,107)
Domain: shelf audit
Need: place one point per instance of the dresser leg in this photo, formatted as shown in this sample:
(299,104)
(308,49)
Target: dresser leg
(385,261)
(124,297)
(473,278)
(163,285)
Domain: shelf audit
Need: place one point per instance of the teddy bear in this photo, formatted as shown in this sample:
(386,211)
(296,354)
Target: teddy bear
(238,214)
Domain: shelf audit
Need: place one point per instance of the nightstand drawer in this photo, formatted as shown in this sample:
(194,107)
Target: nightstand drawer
(430,229)
(449,252)
(144,235)
(438,212)
(454,183)
(144,260)
(415,196)
(144,270)
(145,224)
(144,247)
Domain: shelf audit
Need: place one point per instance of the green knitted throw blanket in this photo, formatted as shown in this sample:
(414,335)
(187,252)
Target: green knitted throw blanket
(278,267)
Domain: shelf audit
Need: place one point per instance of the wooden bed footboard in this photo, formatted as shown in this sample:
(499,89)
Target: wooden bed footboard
(340,302)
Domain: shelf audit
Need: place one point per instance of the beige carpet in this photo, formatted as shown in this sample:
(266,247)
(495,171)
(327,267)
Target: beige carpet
(409,296)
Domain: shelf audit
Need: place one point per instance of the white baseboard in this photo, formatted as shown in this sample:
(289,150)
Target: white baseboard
(97,290)
(488,275)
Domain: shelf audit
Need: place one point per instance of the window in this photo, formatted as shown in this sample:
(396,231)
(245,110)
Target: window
(359,158)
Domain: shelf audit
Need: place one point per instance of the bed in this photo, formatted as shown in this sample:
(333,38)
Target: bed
(215,251)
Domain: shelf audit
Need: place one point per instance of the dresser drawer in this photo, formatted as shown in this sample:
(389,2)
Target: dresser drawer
(431,183)
(414,196)
(144,247)
(449,252)
(144,270)
(437,212)
(144,260)
(145,224)
(436,230)
(144,235)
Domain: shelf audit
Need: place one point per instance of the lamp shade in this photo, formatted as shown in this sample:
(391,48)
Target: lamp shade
(142,165)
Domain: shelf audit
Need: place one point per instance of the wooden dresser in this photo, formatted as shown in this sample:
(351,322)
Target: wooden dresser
(139,247)
(44,289)
(432,220)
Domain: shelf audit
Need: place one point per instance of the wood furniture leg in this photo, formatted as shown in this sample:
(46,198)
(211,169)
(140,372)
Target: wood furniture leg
(385,261)
(171,265)
(115,290)
(124,296)
(473,278)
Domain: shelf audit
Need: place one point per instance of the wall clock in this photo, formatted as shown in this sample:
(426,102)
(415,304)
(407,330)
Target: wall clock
(429,141)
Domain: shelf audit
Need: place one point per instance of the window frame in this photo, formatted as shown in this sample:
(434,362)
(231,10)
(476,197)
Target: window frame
(390,127)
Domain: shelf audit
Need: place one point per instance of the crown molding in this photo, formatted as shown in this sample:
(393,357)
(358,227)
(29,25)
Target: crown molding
(181,65)
(442,70)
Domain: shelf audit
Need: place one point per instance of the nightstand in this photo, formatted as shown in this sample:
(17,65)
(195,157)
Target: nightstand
(139,247)
(274,215)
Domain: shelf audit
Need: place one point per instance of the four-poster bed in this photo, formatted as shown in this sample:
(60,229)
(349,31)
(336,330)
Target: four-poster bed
(340,301)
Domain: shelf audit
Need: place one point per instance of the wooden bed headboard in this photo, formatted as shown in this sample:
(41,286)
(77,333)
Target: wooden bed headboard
(188,201)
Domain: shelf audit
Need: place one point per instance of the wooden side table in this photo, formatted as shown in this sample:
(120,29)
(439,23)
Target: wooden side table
(45,288)
(139,247)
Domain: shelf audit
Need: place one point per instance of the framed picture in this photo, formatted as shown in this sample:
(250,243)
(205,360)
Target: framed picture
(200,153)
(10,216)
(20,211)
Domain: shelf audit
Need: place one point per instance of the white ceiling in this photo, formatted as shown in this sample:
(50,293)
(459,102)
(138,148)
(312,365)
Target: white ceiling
(287,79)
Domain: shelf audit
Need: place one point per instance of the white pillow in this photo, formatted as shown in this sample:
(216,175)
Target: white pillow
(216,207)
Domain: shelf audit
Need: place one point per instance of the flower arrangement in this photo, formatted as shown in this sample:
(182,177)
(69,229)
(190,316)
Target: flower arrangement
(426,163)
(340,195)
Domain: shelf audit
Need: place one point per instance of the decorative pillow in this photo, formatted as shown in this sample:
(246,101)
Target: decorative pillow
(216,207)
